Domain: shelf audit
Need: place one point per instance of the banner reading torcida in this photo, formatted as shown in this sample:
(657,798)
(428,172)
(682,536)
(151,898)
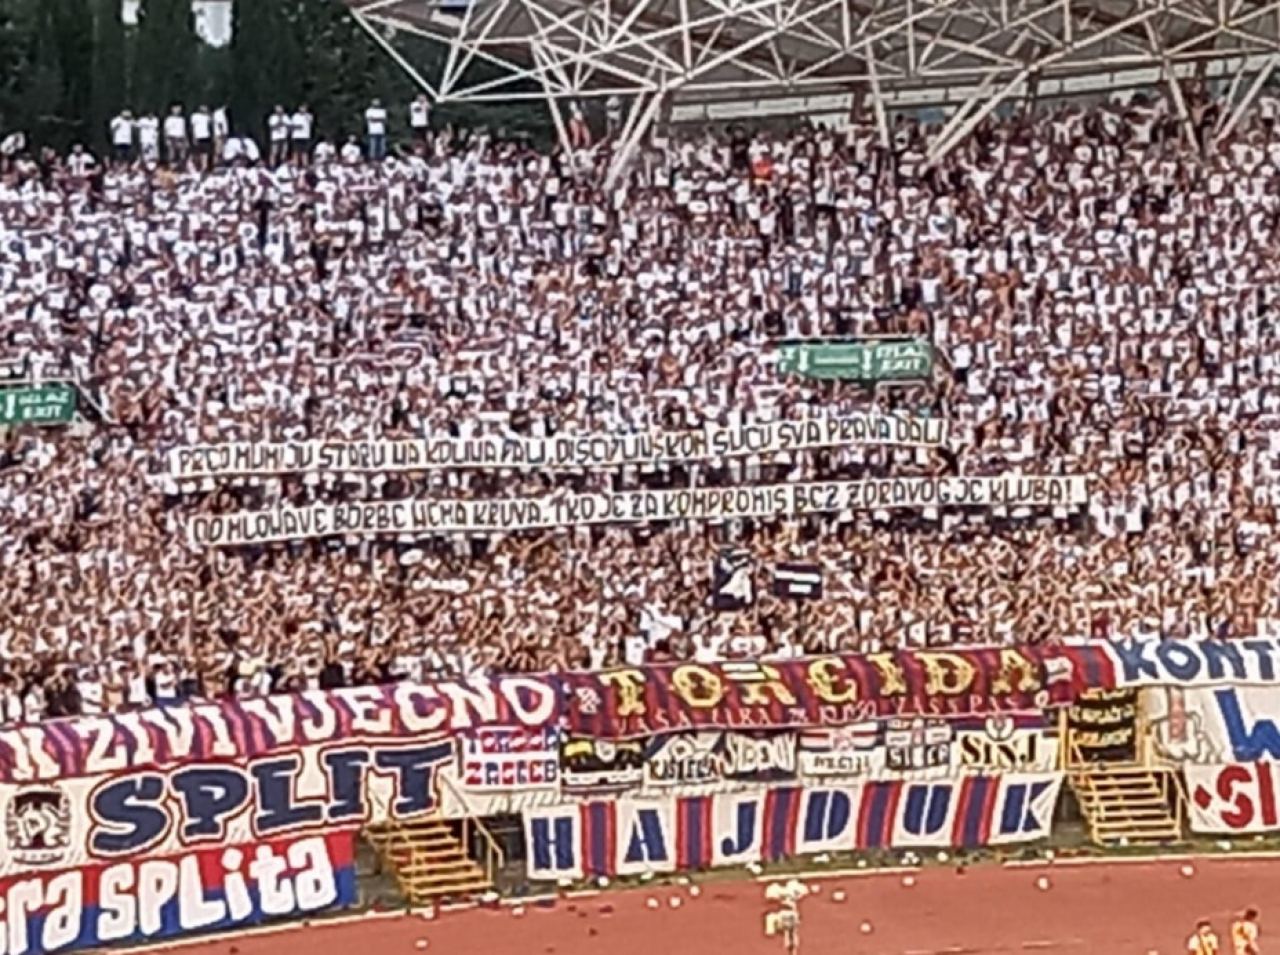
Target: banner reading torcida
(827,691)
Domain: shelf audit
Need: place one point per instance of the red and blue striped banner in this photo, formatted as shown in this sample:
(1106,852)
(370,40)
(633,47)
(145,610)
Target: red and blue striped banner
(632,836)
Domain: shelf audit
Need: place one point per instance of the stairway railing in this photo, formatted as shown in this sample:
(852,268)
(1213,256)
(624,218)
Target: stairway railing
(476,836)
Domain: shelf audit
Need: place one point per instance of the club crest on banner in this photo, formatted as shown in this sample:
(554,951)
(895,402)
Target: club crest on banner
(37,825)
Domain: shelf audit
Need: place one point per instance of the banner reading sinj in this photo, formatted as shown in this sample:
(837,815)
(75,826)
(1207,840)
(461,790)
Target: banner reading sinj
(561,451)
(509,514)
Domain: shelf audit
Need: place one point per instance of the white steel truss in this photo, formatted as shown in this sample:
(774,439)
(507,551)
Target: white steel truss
(701,57)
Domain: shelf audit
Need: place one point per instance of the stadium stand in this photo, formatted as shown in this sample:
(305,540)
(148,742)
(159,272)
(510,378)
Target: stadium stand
(1097,287)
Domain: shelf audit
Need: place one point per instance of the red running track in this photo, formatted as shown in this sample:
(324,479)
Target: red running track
(1097,909)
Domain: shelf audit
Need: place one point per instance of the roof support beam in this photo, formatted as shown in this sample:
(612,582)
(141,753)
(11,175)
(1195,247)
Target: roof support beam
(392,52)
(1232,119)
(1174,86)
(639,122)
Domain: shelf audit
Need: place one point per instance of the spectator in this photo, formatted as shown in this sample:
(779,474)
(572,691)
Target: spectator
(202,137)
(375,124)
(148,131)
(175,136)
(300,130)
(122,132)
(1100,293)
(420,118)
(278,136)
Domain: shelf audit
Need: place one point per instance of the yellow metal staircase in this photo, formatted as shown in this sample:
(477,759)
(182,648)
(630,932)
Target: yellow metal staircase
(1125,804)
(431,861)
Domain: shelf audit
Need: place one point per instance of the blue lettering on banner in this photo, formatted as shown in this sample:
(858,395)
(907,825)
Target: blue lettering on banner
(696,832)
(552,845)
(1018,815)
(828,814)
(1249,744)
(742,838)
(137,812)
(1158,662)
(928,807)
(648,843)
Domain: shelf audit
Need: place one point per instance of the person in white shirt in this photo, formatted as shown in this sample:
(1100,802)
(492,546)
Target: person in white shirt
(202,137)
(350,154)
(240,148)
(121,128)
(375,125)
(420,118)
(300,128)
(175,136)
(149,138)
(278,136)
(221,129)
(80,163)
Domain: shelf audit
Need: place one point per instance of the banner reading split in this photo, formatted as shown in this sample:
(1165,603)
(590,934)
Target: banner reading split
(561,451)
(510,514)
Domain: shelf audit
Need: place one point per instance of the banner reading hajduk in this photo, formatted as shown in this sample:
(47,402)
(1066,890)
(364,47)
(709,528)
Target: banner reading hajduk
(570,510)
(560,451)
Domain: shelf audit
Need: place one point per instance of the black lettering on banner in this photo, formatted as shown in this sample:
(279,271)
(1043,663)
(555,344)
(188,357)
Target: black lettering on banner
(1103,725)
(721,503)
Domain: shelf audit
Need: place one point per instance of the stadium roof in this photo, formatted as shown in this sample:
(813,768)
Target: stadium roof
(715,59)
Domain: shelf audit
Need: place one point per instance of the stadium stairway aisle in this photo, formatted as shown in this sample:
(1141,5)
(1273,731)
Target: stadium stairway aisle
(431,861)
(1128,805)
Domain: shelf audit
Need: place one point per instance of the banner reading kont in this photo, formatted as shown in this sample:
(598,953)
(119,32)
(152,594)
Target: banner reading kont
(571,510)
(562,451)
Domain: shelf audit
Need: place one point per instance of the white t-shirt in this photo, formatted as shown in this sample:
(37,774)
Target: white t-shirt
(201,126)
(122,131)
(148,130)
(80,163)
(300,125)
(175,127)
(278,124)
(375,121)
(419,114)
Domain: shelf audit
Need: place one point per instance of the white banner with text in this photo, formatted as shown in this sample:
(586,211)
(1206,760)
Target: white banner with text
(561,451)
(570,510)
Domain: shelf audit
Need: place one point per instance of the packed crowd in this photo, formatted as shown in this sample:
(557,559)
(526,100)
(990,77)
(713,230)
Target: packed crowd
(1102,291)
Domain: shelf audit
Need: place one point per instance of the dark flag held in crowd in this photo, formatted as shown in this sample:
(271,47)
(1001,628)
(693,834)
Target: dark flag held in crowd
(732,581)
(828,690)
(797,582)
